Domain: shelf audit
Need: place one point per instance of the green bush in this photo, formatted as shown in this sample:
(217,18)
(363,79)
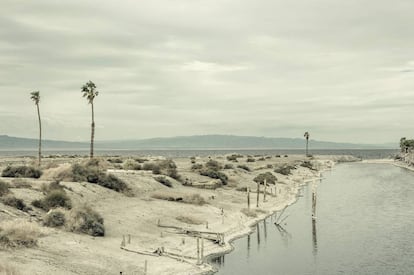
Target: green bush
(215,175)
(85,220)
(269,177)
(4,188)
(244,167)
(93,174)
(56,198)
(284,169)
(21,172)
(15,202)
(55,218)
(164,181)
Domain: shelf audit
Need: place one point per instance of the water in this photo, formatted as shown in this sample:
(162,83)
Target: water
(365,154)
(364,225)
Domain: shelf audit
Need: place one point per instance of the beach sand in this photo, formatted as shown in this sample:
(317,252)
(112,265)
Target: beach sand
(132,223)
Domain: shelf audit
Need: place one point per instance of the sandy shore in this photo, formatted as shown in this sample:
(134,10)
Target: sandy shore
(138,225)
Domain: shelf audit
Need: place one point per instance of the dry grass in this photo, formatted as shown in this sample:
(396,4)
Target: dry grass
(6,269)
(189,220)
(195,199)
(18,233)
(62,172)
(85,220)
(21,183)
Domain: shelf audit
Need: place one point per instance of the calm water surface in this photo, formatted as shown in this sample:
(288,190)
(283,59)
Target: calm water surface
(364,225)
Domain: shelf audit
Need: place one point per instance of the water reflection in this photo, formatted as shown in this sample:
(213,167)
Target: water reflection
(314,238)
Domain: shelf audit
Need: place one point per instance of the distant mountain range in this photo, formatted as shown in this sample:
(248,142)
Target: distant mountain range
(185,142)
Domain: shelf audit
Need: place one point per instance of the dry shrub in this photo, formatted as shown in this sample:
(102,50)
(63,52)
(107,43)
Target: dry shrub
(194,199)
(86,220)
(167,196)
(131,164)
(18,233)
(249,213)
(4,188)
(54,218)
(6,269)
(21,183)
(15,202)
(62,173)
(21,172)
(55,198)
(189,220)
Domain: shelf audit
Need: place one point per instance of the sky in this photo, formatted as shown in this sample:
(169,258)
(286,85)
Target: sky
(341,70)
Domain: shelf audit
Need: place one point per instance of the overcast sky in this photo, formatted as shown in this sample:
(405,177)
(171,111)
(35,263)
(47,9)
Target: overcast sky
(341,69)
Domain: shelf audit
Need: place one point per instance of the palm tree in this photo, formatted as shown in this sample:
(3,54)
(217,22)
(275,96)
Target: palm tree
(306,135)
(35,96)
(89,91)
(402,144)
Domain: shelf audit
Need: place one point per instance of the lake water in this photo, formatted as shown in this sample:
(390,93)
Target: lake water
(364,225)
(365,154)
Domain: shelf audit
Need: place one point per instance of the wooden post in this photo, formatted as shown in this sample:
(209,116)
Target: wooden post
(258,191)
(248,198)
(202,249)
(264,194)
(206,225)
(146,267)
(129,238)
(198,250)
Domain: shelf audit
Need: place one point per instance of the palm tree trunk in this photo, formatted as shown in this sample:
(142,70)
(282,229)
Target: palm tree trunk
(307,143)
(92,131)
(40,134)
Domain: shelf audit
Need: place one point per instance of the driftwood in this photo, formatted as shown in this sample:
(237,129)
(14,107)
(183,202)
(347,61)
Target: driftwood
(216,237)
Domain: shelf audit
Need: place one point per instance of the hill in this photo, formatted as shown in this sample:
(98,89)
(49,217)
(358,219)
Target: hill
(186,142)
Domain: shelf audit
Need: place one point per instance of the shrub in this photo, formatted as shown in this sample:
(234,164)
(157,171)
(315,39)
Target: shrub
(131,165)
(55,218)
(278,156)
(213,165)
(228,166)
(196,166)
(167,196)
(285,156)
(4,188)
(94,175)
(307,164)
(215,175)
(18,233)
(193,160)
(284,169)
(234,157)
(15,202)
(21,183)
(141,160)
(164,181)
(250,159)
(244,167)
(85,220)
(261,159)
(56,198)
(269,166)
(194,199)
(249,213)
(21,172)
(115,160)
(269,177)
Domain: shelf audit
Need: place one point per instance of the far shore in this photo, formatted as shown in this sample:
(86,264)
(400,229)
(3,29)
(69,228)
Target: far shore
(143,228)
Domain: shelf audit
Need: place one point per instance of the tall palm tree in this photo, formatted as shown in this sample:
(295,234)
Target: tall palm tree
(35,96)
(89,91)
(306,135)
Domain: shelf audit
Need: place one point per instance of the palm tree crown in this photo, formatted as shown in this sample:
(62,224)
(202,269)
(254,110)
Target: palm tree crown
(89,91)
(35,96)
(306,135)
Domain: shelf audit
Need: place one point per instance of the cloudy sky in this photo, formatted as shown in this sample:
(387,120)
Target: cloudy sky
(342,70)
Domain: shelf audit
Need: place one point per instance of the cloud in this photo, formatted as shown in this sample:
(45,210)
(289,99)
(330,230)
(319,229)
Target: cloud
(340,69)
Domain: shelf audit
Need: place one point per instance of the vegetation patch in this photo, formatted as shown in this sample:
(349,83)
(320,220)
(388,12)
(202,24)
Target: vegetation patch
(249,213)
(15,202)
(268,177)
(131,164)
(54,218)
(250,159)
(21,172)
(228,166)
(244,167)
(54,199)
(307,164)
(4,188)
(164,181)
(163,167)
(86,220)
(234,157)
(21,183)
(215,175)
(18,233)
(284,169)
